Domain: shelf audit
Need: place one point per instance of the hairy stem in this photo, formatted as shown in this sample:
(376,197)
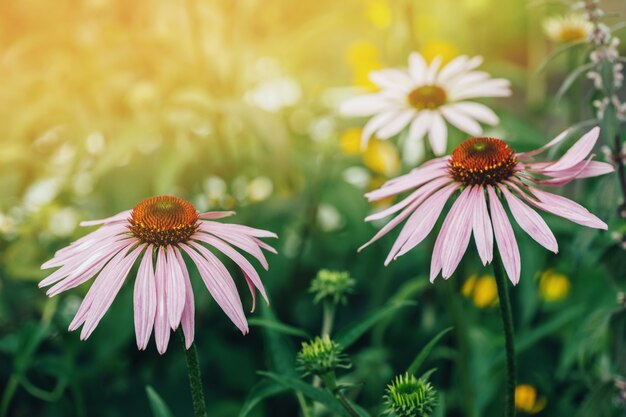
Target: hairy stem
(195,379)
(509,343)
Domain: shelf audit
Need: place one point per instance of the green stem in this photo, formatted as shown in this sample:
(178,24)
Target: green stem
(509,343)
(195,379)
(329,318)
(10,389)
(331,384)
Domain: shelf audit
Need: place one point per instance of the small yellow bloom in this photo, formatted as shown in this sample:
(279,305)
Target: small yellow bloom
(553,286)
(363,57)
(350,141)
(382,157)
(482,290)
(526,399)
(569,28)
(378,13)
(439,47)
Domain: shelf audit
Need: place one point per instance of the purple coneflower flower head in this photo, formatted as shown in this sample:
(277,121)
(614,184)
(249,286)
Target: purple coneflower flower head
(426,96)
(484,172)
(158,233)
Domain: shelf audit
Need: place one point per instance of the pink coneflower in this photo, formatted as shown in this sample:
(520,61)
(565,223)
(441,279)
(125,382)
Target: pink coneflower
(485,171)
(158,231)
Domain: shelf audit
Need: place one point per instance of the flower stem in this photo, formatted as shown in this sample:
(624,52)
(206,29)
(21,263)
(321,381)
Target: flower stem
(331,384)
(329,318)
(509,344)
(195,379)
(621,173)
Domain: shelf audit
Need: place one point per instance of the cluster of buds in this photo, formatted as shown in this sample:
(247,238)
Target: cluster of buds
(332,286)
(321,356)
(408,396)
(607,71)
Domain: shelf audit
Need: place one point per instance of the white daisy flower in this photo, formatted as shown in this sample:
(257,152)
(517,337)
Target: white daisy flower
(424,97)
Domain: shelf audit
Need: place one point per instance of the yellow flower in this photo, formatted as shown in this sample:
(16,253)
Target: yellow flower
(439,47)
(382,157)
(378,13)
(526,399)
(569,28)
(350,141)
(363,57)
(482,290)
(553,286)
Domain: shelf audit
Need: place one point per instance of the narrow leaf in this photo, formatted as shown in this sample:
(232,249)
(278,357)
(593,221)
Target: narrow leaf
(279,327)
(347,336)
(571,78)
(261,391)
(421,357)
(158,406)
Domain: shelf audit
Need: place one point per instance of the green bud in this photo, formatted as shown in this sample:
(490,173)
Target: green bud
(332,286)
(321,356)
(408,396)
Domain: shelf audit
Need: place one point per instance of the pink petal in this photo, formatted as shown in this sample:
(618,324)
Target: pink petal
(121,216)
(428,188)
(236,257)
(505,238)
(413,180)
(174,289)
(105,289)
(145,300)
(481,226)
(219,283)
(243,242)
(454,236)
(577,152)
(531,222)
(216,214)
(561,136)
(161,323)
(187,319)
(421,222)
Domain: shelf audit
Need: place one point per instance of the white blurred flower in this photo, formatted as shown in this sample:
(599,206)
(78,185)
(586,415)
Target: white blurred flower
(570,28)
(215,189)
(357,176)
(275,94)
(329,218)
(63,156)
(259,189)
(63,222)
(40,193)
(7,224)
(322,129)
(83,183)
(94,143)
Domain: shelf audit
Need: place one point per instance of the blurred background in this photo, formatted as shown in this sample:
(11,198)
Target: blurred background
(233,105)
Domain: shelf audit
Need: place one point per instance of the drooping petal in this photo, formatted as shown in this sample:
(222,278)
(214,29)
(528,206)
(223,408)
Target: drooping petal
(421,222)
(161,322)
(144,300)
(187,319)
(415,179)
(481,227)
(558,139)
(505,238)
(105,289)
(454,236)
(174,289)
(219,283)
(243,242)
(530,221)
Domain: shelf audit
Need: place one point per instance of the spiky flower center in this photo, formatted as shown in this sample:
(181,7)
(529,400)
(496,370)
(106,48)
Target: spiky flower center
(427,97)
(571,33)
(408,396)
(482,161)
(163,220)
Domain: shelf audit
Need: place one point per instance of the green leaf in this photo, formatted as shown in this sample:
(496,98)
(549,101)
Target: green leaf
(281,353)
(558,51)
(421,357)
(426,375)
(315,394)
(347,336)
(571,78)
(158,406)
(261,391)
(279,327)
